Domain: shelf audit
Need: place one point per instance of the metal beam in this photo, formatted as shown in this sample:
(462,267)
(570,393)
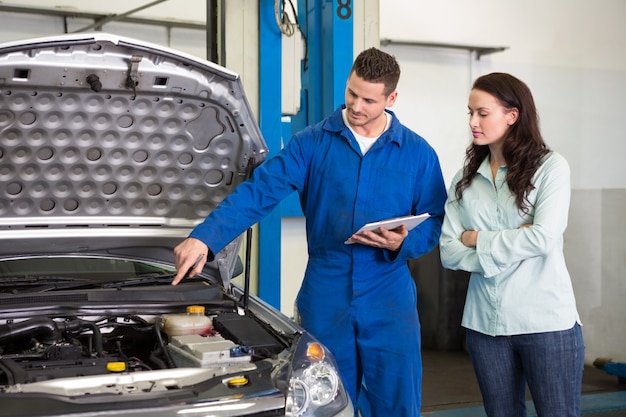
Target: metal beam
(329,30)
(478,50)
(270,74)
(215,18)
(171,23)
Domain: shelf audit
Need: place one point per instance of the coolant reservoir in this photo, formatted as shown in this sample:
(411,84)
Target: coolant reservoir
(192,322)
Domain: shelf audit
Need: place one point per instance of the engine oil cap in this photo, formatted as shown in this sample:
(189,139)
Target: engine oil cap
(116,366)
(237,382)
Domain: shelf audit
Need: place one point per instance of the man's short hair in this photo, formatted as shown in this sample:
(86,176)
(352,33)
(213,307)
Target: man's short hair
(376,66)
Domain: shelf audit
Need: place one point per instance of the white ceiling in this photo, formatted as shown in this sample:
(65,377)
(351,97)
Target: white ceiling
(180,10)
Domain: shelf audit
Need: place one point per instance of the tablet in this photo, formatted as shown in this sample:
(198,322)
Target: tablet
(409,221)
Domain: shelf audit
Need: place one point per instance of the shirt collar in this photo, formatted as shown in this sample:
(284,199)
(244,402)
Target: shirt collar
(334,123)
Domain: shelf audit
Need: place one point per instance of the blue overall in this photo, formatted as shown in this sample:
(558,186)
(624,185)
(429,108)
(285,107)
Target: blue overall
(359,301)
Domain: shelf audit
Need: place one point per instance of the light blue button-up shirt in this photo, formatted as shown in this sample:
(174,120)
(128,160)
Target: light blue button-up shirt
(519,282)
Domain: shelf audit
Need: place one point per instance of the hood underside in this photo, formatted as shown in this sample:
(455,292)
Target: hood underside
(101,130)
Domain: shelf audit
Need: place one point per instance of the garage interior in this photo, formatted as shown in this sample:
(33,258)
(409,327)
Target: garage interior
(293,57)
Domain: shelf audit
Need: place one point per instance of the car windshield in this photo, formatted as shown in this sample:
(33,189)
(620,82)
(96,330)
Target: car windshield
(38,270)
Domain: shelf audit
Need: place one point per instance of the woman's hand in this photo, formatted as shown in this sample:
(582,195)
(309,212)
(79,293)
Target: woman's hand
(469,237)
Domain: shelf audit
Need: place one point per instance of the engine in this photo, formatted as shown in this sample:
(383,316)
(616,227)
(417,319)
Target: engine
(44,348)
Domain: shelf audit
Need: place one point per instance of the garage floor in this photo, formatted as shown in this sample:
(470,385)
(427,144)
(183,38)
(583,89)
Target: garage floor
(450,390)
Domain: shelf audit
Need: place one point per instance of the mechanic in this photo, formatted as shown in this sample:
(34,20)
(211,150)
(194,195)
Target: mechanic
(358,298)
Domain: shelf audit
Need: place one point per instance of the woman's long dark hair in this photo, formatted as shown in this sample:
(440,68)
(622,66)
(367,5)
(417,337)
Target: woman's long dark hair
(523,147)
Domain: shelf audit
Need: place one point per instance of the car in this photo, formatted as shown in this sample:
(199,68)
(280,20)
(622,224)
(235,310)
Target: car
(111,151)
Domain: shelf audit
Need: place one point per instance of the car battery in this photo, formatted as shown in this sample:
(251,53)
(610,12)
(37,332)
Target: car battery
(246,331)
(206,351)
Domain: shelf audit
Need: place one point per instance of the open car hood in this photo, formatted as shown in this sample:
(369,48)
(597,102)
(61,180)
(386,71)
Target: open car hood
(99,131)
(111,151)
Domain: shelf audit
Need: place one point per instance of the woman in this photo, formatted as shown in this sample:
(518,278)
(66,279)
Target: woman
(504,222)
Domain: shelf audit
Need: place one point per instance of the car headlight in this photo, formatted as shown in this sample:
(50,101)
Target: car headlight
(315,388)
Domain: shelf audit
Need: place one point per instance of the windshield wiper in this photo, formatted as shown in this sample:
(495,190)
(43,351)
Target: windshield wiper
(151,278)
(42,283)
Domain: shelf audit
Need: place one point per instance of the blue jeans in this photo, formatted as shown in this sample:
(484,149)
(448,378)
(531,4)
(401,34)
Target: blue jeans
(550,363)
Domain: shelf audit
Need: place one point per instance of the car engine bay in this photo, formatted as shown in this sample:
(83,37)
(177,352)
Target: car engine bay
(43,348)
